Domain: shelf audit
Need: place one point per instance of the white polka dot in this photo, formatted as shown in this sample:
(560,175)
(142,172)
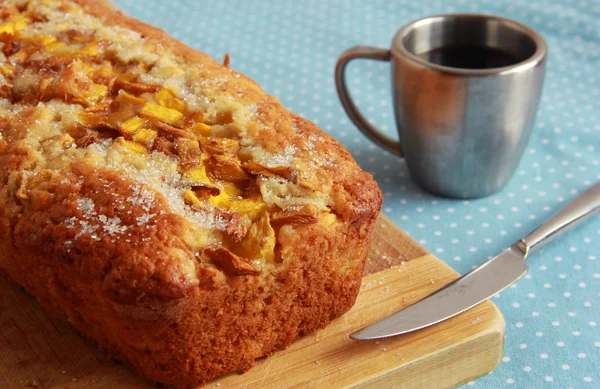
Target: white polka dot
(539,334)
(544,356)
(519,325)
(581,355)
(522,346)
(587,379)
(560,344)
(555,323)
(510,381)
(548,378)
(527,368)
(576,333)
(592,323)
(566,367)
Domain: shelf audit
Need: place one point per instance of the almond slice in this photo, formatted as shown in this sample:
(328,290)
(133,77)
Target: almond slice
(135,88)
(256,169)
(188,151)
(225,168)
(308,214)
(171,132)
(233,223)
(220,146)
(205,191)
(231,264)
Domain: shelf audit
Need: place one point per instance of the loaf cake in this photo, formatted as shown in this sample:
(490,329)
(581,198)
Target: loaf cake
(163,204)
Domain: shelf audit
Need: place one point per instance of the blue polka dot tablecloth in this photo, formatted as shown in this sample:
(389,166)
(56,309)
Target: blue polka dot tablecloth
(290,48)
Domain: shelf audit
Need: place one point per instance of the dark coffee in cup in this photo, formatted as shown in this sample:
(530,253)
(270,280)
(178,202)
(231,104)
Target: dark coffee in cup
(470,57)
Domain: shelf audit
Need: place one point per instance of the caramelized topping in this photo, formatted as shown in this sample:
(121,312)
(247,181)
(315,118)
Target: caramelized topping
(114,103)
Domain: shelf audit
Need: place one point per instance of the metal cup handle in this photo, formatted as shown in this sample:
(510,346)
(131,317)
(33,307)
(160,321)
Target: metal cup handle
(361,122)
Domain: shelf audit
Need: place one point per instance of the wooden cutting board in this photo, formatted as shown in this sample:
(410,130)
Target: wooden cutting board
(40,352)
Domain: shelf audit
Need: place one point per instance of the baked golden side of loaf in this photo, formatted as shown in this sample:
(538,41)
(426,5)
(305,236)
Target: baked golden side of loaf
(162,203)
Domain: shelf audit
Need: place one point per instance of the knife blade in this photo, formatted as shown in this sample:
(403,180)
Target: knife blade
(452,299)
(486,280)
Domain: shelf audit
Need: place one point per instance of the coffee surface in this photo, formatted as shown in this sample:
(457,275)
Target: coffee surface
(470,57)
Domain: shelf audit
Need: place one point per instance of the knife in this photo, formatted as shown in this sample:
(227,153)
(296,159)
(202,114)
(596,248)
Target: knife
(486,280)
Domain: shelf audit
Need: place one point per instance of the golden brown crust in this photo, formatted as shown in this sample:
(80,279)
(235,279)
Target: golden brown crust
(180,296)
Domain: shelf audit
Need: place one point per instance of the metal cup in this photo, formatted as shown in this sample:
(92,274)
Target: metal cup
(463,130)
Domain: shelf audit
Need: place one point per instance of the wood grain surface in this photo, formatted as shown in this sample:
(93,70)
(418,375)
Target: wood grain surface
(37,351)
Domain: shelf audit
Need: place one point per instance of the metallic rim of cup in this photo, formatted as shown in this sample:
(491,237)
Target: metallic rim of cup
(538,56)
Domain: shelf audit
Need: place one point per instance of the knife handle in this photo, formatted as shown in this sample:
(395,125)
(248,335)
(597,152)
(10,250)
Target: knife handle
(576,211)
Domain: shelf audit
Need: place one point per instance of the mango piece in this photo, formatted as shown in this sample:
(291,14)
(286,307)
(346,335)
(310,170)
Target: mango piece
(55,46)
(14,24)
(167,99)
(248,207)
(129,98)
(231,189)
(91,50)
(131,146)
(190,198)
(201,129)
(326,219)
(161,113)
(104,71)
(96,92)
(144,136)
(132,125)
(7,70)
(259,242)
(45,39)
(220,201)
(197,175)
